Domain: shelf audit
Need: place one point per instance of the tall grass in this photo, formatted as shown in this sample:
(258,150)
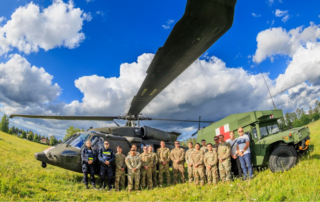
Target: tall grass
(22,178)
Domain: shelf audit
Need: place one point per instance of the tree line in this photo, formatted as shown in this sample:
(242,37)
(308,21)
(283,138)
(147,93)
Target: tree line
(28,135)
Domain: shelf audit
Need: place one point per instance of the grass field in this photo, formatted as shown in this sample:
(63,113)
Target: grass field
(22,178)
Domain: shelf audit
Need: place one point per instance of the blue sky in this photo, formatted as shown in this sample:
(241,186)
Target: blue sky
(118,32)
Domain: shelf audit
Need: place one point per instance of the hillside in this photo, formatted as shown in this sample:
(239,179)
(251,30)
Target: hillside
(22,178)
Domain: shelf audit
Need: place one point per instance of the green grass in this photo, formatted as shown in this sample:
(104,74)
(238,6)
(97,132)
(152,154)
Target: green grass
(22,178)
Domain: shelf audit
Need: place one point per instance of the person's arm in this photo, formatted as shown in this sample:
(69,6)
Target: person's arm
(181,159)
(215,158)
(118,162)
(169,153)
(83,156)
(128,163)
(150,163)
(186,157)
(112,156)
(238,149)
(201,157)
(100,156)
(172,157)
(227,152)
(95,155)
(247,144)
(158,154)
(124,165)
(155,160)
(205,160)
(139,164)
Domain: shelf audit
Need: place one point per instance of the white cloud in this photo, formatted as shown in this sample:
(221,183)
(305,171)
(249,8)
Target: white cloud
(256,15)
(2,19)
(271,2)
(278,41)
(31,28)
(167,25)
(89,1)
(284,14)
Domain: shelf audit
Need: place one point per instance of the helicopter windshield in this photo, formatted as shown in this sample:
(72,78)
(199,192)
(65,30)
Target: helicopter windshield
(79,141)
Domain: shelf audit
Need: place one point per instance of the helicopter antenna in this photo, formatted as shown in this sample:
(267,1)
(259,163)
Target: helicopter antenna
(267,86)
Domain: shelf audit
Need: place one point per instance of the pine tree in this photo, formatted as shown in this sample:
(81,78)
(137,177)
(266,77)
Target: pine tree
(4,125)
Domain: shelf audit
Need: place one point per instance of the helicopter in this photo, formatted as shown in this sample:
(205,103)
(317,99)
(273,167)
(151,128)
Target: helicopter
(202,24)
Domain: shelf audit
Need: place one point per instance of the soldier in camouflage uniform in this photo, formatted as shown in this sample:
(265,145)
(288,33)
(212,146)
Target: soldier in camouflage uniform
(204,146)
(164,158)
(146,169)
(197,163)
(134,147)
(188,161)
(133,163)
(224,160)
(120,169)
(210,161)
(177,158)
(154,166)
(216,145)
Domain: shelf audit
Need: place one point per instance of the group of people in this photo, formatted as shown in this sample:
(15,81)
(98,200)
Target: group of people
(207,163)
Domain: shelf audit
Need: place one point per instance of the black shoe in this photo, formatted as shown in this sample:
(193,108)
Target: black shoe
(244,178)
(87,187)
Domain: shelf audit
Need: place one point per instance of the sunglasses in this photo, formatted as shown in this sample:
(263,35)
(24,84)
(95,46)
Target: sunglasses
(176,143)
(106,143)
(240,131)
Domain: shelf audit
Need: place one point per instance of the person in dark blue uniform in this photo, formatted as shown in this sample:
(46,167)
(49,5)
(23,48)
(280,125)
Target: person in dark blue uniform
(106,157)
(88,156)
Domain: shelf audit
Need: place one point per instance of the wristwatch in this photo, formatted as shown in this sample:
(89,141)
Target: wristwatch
(242,151)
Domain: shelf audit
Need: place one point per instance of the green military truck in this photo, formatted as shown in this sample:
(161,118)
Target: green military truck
(269,144)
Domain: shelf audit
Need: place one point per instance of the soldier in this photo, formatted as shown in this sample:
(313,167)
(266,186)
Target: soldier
(177,157)
(134,147)
(164,158)
(210,161)
(88,156)
(146,169)
(224,160)
(120,169)
(197,162)
(188,161)
(154,166)
(106,157)
(216,143)
(133,163)
(204,146)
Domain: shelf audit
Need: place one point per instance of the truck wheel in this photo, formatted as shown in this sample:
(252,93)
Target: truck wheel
(282,158)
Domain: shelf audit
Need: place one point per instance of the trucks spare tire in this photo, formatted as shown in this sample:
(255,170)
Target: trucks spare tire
(282,158)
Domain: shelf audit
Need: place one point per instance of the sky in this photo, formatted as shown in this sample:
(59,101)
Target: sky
(89,57)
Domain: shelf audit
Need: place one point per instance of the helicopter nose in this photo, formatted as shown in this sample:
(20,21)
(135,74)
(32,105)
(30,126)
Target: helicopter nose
(41,156)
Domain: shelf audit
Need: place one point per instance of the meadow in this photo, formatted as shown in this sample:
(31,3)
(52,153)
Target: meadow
(22,178)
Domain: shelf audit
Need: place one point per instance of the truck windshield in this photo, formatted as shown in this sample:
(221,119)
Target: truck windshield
(79,141)
(263,131)
(273,129)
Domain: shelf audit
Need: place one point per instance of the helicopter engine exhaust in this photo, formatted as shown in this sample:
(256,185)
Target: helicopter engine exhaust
(153,133)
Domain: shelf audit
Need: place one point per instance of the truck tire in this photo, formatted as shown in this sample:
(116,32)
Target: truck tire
(282,158)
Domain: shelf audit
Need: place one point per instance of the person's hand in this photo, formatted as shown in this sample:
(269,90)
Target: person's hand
(145,167)
(190,165)
(151,166)
(107,162)
(134,169)
(90,162)
(177,161)
(209,167)
(122,169)
(164,163)
(196,165)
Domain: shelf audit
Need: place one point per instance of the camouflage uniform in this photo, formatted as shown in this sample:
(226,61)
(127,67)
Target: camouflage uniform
(178,154)
(137,153)
(133,162)
(146,160)
(188,161)
(204,149)
(225,164)
(211,159)
(120,175)
(154,168)
(164,155)
(197,158)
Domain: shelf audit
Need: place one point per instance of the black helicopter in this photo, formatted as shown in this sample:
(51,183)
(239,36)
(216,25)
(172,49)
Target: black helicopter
(202,24)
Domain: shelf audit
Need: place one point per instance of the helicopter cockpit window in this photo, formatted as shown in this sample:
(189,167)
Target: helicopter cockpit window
(94,142)
(79,141)
(254,132)
(69,139)
(273,129)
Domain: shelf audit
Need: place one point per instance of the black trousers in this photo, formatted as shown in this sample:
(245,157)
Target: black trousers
(109,171)
(236,167)
(88,169)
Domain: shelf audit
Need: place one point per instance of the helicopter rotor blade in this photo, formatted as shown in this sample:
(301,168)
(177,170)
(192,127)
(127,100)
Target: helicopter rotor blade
(197,121)
(84,118)
(202,24)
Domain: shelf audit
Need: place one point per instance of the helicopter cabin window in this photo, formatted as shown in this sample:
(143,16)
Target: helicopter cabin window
(94,142)
(263,131)
(254,133)
(273,129)
(79,141)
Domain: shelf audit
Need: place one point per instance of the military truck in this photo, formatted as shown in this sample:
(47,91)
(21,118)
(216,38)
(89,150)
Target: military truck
(269,144)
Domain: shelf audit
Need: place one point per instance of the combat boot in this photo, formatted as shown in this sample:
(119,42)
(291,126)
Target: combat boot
(87,187)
